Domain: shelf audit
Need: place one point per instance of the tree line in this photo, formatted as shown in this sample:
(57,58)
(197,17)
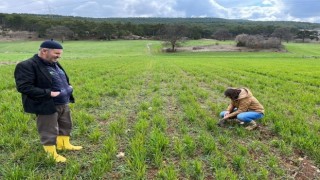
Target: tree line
(79,28)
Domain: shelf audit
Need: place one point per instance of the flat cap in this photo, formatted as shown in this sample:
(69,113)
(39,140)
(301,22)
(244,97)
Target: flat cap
(50,44)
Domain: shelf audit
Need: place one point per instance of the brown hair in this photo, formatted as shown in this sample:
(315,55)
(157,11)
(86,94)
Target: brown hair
(232,93)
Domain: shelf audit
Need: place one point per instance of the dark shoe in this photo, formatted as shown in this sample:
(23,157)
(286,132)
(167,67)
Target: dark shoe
(252,125)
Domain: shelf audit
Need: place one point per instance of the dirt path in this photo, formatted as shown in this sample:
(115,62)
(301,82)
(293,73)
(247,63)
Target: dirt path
(7,63)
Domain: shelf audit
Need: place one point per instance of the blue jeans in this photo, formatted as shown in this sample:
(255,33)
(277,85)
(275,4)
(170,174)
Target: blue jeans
(246,116)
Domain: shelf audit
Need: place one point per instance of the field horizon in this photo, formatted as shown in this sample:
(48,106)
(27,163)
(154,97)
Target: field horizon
(158,112)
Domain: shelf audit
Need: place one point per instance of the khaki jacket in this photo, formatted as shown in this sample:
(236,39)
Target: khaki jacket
(245,102)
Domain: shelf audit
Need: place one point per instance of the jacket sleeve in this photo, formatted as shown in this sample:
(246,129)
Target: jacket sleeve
(243,107)
(231,107)
(25,77)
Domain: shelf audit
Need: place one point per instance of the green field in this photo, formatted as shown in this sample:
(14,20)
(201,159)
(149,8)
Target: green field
(161,110)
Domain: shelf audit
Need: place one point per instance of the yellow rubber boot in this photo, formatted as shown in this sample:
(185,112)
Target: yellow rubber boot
(63,143)
(51,150)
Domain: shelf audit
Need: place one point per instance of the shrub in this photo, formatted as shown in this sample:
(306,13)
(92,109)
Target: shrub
(257,42)
(241,40)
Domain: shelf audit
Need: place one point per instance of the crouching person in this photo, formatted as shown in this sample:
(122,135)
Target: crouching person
(244,107)
(46,92)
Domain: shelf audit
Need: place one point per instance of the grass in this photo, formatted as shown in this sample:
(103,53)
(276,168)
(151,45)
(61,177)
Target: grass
(161,110)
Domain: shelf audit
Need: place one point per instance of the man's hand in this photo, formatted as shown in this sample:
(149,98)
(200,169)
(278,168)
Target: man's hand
(55,93)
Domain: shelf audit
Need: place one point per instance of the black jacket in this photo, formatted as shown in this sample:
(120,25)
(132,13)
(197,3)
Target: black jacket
(34,82)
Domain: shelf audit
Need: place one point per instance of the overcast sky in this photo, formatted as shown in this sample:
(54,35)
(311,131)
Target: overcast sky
(264,10)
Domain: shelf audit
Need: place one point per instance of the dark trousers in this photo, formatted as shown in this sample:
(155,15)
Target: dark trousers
(58,123)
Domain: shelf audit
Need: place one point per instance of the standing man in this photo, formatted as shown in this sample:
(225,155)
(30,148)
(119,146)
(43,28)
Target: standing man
(46,92)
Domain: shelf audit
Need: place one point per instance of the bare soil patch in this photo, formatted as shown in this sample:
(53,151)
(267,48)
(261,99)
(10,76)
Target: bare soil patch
(8,36)
(299,165)
(225,48)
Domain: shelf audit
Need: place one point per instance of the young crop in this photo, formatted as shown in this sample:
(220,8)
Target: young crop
(159,112)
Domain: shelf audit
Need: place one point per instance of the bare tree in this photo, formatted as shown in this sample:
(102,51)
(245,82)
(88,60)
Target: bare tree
(59,32)
(173,34)
(282,34)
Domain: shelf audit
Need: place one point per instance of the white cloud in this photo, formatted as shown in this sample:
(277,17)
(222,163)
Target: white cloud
(91,7)
(270,2)
(147,8)
(307,10)
(217,6)
(266,10)
(253,12)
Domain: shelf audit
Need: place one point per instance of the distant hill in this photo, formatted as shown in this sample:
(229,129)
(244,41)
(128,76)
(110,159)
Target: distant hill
(205,20)
(70,27)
